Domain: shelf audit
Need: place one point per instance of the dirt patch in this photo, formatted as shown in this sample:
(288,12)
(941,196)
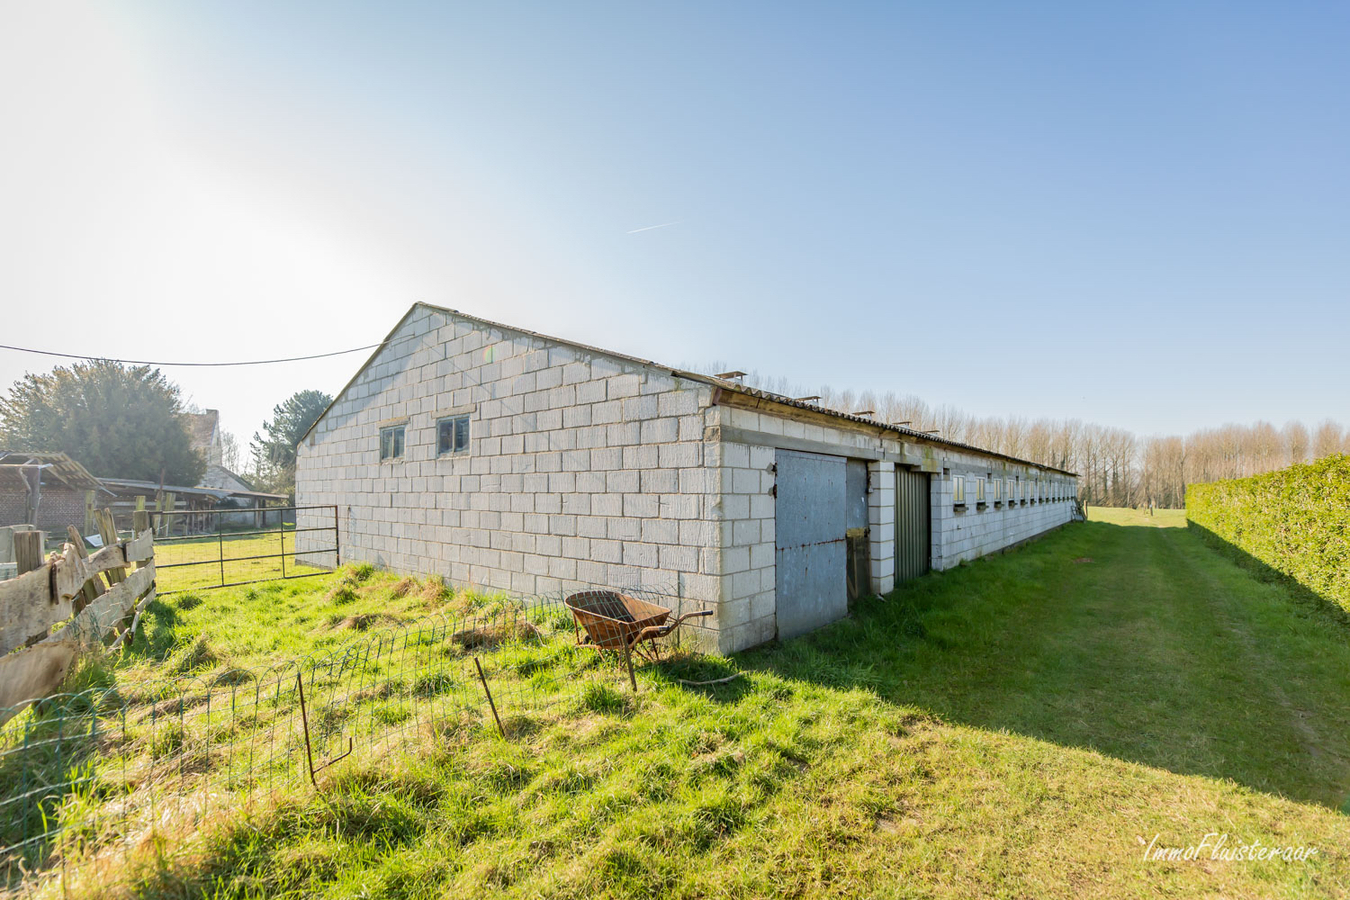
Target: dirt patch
(1084,559)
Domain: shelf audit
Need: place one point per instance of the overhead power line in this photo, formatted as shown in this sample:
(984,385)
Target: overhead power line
(146,362)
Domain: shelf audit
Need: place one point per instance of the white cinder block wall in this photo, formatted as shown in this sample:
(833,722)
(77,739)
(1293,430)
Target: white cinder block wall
(591,469)
(960,534)
(583,469)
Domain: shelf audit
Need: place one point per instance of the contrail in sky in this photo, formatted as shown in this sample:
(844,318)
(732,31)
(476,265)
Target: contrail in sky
(650,227)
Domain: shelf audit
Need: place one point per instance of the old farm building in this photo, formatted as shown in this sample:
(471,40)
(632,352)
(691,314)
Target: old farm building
(511,460)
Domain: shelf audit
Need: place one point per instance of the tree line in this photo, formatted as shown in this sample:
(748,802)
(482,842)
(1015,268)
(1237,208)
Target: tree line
(1115,466)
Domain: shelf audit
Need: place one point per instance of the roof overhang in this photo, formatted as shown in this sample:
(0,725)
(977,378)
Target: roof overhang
(125,484)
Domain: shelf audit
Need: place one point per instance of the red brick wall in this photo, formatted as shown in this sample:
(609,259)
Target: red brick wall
(56,510)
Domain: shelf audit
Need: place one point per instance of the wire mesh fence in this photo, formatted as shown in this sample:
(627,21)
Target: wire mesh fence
(88,777)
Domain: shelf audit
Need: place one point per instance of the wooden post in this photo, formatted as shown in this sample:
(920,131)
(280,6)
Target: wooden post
(166,521)
(108,531)
(28,550)
(32,476)
(89,497)
(491,704)
(94,586)
(140,522)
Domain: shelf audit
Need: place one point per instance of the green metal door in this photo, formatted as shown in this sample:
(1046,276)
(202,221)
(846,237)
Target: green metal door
(913,545)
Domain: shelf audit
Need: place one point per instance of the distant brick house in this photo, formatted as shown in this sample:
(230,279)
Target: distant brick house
(499,457)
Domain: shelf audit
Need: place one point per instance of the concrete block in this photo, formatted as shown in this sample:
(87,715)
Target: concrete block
(606,412)
(660,531)
(592,392)
(678,403)
(628,385)
(735,559)
(659,431)
(641,506)
(681,455)
(639,554)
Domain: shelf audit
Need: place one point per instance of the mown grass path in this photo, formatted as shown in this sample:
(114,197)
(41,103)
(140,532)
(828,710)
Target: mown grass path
(1023,726)
(1158,650)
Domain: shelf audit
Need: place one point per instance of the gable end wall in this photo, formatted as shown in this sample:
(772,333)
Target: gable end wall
(583,470)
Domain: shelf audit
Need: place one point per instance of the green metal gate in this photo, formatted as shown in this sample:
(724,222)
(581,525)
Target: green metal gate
(913,546)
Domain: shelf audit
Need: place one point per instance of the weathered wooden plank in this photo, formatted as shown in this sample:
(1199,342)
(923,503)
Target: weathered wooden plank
(32,603)
(73,571)
(129,634)
(94,586)
(108,530)
(28,550)
(26,609)
(37,671)
(142,547)
(100,617)
(32,674)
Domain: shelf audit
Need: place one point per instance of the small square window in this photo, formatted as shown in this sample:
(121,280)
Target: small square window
(391,442)
(452,435)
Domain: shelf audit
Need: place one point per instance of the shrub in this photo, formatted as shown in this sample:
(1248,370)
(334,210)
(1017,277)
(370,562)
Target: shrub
(1295,520)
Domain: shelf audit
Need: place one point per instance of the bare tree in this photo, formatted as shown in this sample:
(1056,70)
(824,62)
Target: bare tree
(229,451)
(1115,467)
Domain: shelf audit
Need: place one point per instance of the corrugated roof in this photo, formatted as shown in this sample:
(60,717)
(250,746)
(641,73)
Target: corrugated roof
(219,493)
(908,433)
(54,465)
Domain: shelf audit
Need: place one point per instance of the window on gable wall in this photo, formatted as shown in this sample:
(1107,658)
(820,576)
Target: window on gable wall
(452,435)
(958,490)
(391,442)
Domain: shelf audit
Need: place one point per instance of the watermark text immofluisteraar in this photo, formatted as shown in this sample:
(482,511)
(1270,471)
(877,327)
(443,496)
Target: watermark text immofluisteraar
(1220,847)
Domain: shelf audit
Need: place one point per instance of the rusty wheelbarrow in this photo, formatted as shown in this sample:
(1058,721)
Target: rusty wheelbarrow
(614,621)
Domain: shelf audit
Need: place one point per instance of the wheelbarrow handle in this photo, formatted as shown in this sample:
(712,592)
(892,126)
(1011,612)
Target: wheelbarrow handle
(656,631)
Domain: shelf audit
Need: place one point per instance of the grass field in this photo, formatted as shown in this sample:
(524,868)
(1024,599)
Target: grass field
(1023,726)
(230,558)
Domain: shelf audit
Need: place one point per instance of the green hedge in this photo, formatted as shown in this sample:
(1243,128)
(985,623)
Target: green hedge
(1296,520)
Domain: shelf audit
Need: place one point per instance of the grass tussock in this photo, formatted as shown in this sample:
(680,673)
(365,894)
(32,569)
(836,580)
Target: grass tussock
(491,636)
(367,621)
(403,587)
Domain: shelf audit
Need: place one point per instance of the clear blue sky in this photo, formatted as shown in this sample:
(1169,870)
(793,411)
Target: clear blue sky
(1137,214)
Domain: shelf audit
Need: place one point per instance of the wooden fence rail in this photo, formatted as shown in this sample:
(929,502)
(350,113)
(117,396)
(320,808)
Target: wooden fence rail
(57,592)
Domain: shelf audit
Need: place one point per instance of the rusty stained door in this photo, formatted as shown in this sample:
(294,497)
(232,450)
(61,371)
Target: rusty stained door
(810,524)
